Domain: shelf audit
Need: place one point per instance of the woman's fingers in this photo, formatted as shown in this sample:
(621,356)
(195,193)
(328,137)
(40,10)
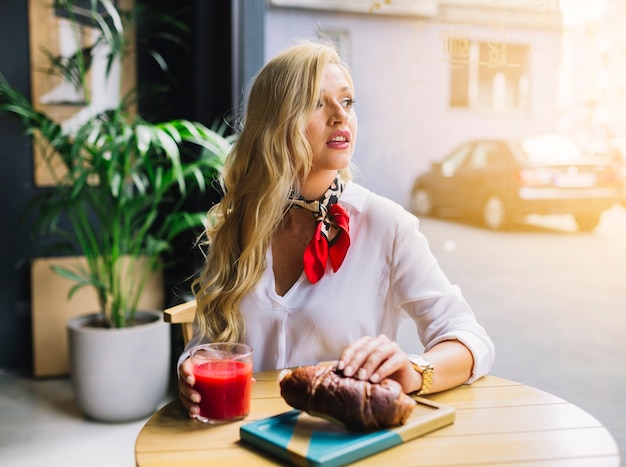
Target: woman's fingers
(371,358)
(189,397)
(190,406)
(352,356)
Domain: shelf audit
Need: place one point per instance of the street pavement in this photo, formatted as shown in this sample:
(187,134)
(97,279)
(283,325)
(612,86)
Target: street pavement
(553,301)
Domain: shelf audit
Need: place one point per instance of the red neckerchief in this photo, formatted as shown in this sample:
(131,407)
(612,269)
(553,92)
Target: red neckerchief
(328,213)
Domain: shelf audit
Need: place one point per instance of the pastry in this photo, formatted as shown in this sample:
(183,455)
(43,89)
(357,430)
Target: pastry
(320,390)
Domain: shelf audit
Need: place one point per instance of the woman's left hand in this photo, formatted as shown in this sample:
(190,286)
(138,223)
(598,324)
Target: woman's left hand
(376,358)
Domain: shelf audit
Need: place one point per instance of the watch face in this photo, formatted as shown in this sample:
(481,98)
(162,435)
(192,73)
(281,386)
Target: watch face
(419,360)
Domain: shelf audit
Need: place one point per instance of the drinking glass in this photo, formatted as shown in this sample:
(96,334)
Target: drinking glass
(223,373)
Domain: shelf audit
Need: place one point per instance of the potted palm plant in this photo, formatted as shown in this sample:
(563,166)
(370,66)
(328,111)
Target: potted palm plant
(118,199)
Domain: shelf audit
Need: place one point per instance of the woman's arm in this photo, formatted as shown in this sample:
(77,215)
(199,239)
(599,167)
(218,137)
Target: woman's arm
(453,364)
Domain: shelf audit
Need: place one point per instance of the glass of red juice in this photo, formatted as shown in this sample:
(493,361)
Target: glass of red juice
(223,373)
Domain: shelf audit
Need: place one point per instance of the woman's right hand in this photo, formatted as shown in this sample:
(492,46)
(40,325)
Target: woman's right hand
(188,395)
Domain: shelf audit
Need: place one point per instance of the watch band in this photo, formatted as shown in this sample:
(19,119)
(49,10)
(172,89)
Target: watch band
(426,369)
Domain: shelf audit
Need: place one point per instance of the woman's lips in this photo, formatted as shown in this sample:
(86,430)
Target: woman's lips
(340,139)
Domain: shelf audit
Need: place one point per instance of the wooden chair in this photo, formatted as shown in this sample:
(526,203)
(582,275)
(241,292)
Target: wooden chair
(182,314)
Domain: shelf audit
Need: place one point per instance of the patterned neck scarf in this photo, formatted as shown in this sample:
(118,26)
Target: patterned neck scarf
(328,213)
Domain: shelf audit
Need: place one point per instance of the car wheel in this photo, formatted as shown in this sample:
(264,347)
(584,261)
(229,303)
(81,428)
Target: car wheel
(422,203)
(587,222)
(495,215)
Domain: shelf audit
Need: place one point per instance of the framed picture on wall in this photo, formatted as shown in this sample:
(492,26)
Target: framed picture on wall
(57,36)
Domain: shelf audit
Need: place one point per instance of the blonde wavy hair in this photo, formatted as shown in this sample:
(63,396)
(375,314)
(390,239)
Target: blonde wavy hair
(270,159)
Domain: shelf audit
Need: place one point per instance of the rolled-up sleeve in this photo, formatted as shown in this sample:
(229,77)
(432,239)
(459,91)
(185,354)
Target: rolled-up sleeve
(449,317)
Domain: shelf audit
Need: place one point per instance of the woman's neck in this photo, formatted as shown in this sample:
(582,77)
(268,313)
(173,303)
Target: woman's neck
(317,184)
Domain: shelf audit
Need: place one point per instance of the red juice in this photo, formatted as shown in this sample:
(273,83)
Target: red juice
(225,388)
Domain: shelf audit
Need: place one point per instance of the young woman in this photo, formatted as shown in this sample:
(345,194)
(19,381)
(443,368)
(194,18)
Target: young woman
(305,265)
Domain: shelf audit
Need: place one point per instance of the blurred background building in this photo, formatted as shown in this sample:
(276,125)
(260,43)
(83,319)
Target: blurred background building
(431,74)
(592,81)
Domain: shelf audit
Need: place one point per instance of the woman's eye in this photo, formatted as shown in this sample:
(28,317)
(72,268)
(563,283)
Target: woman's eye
(347,103)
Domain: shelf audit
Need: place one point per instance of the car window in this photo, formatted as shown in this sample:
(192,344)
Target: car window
(484,155)
(455,160)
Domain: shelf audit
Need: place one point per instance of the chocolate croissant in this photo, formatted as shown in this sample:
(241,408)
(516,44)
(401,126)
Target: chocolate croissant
(356,405)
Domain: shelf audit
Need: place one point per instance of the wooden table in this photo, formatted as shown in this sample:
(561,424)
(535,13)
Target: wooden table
(498,422)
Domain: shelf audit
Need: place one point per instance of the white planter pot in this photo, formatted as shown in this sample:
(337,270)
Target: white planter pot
(119,375)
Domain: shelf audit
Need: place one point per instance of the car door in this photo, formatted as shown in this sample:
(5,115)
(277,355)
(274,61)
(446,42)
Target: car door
(476,175)
(444,183)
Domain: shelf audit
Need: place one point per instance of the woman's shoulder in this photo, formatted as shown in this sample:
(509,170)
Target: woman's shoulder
(368,203)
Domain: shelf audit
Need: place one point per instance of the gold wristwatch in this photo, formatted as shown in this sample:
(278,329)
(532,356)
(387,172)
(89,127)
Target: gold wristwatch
(426,369)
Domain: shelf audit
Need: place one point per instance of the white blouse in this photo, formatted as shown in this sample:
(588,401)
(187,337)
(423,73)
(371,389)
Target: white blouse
(389,272)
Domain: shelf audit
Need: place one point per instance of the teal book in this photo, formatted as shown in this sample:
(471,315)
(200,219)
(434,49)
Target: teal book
(301,439)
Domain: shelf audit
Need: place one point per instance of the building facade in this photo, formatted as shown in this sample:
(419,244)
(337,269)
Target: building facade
(431,74)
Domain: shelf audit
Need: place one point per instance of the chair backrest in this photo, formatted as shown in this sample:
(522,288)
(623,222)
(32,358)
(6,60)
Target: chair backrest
(182,314)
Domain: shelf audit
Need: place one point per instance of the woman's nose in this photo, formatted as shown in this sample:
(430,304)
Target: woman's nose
(339,114)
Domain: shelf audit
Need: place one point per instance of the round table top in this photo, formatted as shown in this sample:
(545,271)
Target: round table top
(497,421)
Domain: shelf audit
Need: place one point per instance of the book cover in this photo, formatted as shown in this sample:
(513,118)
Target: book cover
(301,439)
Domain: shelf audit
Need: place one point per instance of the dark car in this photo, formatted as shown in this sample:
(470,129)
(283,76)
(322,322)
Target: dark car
(497,181)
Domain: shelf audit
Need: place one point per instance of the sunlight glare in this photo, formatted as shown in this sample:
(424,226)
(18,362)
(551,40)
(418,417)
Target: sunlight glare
(578,11)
